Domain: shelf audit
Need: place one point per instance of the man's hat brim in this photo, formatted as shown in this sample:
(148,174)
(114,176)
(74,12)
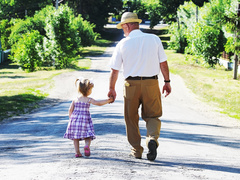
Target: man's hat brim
(119,26)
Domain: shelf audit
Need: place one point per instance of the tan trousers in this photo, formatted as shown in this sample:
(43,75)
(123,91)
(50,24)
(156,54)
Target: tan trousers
(147,94)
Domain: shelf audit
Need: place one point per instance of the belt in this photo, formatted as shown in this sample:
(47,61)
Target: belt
(141,78)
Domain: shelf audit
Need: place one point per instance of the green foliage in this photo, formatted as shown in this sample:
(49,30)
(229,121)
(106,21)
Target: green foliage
(200,3)
(84,31)
(177,41)
(26,53)
(207,41)
(139,8)
(204,39)
(20,8)
(154,14)
(169,9)
(19,28)
(231,27)
(186,22)
(61,41)
(5,30)
(96,12)
(60,35)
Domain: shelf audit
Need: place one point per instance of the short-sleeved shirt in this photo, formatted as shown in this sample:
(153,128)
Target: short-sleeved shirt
(140,54)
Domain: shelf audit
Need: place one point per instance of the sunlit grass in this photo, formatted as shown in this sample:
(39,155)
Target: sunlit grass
(20,91)
(215,86)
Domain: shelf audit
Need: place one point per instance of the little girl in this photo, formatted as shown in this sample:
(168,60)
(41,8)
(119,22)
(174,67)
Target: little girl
(80,126)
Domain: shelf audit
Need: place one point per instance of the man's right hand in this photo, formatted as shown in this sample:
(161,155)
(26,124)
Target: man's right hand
(112,94)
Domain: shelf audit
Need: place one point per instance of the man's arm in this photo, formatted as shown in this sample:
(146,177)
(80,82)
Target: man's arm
(112,83)
(165,72)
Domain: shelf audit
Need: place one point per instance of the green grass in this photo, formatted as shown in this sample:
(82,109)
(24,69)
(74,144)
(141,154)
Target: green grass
(214,86)
(20,91)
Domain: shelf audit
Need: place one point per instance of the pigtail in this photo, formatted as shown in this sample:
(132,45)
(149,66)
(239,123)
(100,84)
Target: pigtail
(83,85)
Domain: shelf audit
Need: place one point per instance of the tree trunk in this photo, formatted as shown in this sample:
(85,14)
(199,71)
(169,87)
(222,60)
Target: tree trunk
(235,67)
(196,13)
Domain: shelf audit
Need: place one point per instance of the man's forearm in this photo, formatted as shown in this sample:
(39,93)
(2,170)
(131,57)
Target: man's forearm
(113,79)
(165,70)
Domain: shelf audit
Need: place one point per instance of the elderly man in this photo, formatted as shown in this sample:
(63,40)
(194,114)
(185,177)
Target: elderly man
(142,57)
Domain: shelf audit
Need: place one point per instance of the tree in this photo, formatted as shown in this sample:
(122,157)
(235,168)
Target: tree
(5,30)
(139,8)
(199,3)
(205,38)
(97,12)
(169,9)
(206,41)
(232,20)
(20,8)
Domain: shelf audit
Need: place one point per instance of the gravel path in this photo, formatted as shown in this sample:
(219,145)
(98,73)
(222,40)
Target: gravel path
(196,142)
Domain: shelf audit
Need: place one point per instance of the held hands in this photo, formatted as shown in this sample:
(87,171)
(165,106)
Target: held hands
(112,95)
(111,99)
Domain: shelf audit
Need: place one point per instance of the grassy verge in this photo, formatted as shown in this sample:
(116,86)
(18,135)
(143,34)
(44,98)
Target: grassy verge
(215,86)
(20,91)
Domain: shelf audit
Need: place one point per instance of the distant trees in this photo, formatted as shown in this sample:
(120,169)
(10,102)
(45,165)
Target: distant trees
(208,36)
(199,27)
(20,8)
(96,11)
(39,35)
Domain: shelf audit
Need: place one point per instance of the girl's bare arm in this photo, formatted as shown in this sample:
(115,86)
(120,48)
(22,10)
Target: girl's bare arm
(101,102)
(71,108)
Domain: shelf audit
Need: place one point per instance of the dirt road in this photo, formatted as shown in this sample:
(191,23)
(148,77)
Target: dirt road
(196,142)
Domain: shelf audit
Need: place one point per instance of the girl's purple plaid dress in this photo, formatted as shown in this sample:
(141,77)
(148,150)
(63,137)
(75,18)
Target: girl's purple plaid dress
(80,125)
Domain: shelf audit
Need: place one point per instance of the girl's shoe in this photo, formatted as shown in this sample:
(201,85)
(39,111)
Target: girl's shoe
(86,151)
(78,155)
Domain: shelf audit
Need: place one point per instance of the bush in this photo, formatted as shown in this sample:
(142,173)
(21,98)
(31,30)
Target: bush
(19,28)
(177,41)
(61,42)
(207,41)
(84,31)
(60,35)
(25,52)
(5,30)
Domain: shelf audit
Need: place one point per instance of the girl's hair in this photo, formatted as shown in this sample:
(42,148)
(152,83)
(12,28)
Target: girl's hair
(83,86)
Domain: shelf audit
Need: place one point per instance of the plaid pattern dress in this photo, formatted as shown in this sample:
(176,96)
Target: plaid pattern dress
(80,124)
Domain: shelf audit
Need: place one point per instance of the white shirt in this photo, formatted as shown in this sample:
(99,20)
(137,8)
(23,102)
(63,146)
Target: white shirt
(140,54)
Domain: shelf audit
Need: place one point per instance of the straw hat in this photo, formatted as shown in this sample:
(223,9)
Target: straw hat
(128,17)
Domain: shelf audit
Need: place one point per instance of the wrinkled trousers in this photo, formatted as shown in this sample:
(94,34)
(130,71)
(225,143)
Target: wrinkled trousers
(147,94)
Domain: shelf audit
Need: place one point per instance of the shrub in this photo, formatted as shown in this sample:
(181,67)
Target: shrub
(207,41)
(84,31)
(26,53)
(5,30)
(61,42)
(60,33)
(177,41)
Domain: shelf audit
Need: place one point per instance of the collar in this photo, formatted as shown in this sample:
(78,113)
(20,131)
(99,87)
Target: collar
(135,33)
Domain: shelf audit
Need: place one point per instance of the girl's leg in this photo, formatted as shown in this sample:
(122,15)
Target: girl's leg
(76,146)
(88,142)
(87,145)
